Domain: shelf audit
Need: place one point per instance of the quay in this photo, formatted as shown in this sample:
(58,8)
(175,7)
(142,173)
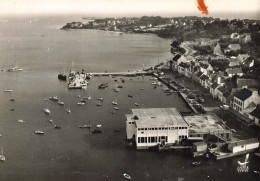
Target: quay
(135,73)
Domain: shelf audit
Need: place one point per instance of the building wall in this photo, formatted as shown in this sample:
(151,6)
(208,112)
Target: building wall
(256,120)
(245,147)
(130,129)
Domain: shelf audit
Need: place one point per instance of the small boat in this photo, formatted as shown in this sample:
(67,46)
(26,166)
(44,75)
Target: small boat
(256,172)
(20,121)
(196,163)
(12,99)
(12,109)
(14,69)
(2,157)
(257,154)
(94,131)
(83,126)
(81,103)
(103,86)
(129,95)
(56,127)
(54,98)
(127,176)
(99,103)
(45,99)
(61,103)
(142,89)
(98,125)
(82,100)
(116,108)
(120,86)
(137,104)
(114,102)
(100,98)
(68,111)
(8,90)
(79,96)
(38,132)
(51,121)
(47,111)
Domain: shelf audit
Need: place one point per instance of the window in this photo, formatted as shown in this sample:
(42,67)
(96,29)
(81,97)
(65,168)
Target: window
(142,139)
(149,139)
(139,129)
(159,128)
(152,139)
(139,139)
(145,139)
(155,128)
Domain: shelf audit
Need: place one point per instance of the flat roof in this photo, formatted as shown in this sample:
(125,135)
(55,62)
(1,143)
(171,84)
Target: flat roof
(205,124)
(157,117)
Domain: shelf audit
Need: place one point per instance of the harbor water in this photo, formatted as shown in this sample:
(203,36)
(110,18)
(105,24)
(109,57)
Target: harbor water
(71,153)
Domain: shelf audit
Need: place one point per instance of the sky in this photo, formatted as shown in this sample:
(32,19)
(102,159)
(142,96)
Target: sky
(127,7)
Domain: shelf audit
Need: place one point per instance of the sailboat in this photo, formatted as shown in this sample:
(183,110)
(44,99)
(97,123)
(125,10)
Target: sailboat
(15,68)
(2,157)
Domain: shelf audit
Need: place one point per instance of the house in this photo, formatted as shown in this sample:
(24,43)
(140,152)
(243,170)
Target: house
(205,67)
(245,38)
(175,61)
(233,61)
(203,79)
(213,89)
(243,145)
(242,57)
(250,83)
(255,115)
(245,100)
(217,50)
(234,71)
(152,126)
(184,68)
(233,47)
(248,63)
(227,98)
(220,92)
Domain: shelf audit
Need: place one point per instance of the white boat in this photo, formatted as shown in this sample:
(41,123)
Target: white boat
(116,89)
(81,103)
(114,102)
(8,90)
(100,98)
(14,69)
(54,98)
(68,111)
(137,104)
(98,126)
(47,111)
(127,176)
(20,121)
(2,157)
(38,132)
(60,103)
(116,108)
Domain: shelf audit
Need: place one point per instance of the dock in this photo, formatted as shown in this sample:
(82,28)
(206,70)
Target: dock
(132,74)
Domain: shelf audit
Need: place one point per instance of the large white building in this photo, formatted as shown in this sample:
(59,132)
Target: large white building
(152,126)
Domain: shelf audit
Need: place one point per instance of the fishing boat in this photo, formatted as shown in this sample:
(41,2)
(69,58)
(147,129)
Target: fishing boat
(61,103)
(54,98)
(47,111)
(81,103)
(8,90)
(38,132)
(2,157)
(127,176)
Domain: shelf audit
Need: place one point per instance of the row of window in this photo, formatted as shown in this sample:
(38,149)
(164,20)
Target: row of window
(131,122)
(238,102)
(236,107)
(152,139)
(166,128)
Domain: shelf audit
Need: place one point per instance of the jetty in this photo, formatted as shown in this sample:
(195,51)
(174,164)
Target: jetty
(134,73)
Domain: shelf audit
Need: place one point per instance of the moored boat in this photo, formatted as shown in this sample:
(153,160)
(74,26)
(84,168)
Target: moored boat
(47,111)
(38,132)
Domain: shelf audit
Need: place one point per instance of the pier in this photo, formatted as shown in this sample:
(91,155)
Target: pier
(135,73)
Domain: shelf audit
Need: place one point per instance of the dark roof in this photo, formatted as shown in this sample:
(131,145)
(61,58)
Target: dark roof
(204,77)
(214,85)
(256,112)
(176,58)
(223,89)
(226,94)
(199,74)
(243,94)
(185,65)
(205,66)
